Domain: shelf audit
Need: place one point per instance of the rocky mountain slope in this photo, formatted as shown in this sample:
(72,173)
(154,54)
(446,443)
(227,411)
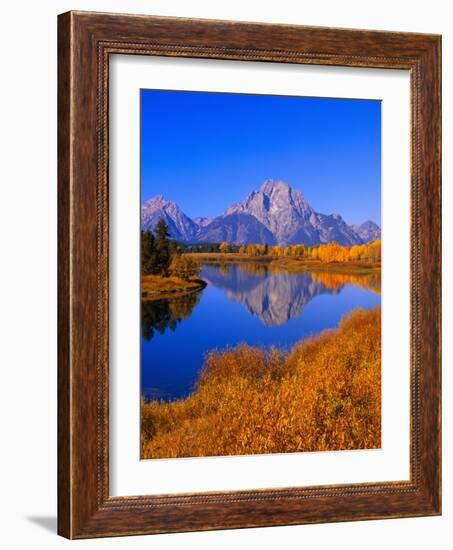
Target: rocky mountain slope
(286,213)
(274,214)
(368,231)
(236,228)
(181,226)
(202,222)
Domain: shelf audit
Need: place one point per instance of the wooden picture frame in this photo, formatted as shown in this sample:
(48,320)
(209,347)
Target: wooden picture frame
(85,42)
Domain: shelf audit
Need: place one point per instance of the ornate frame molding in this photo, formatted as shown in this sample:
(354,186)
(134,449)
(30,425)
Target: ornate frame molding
(86,40)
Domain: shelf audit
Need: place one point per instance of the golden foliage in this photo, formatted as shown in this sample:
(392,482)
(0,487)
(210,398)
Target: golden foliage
(330,252)
(334,252)
(323,395)
(254,250)
(184,267)
(225,247)
(155,286)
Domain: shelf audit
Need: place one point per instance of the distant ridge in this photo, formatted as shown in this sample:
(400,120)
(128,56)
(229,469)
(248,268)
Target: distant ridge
(181,226)
(368,231)
(274,214)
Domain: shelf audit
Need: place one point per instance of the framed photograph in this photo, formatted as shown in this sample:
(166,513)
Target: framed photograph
(249,275)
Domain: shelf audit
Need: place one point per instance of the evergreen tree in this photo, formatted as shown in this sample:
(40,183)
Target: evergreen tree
(174,248)
(148,253)
(162,240)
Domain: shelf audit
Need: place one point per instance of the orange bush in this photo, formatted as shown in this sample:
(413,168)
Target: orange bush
(333,252)
(330,252)
(323,395)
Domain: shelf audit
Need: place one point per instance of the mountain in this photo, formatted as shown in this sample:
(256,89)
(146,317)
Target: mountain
(236,228)
(368,231)
(274,214)
(181,227)
(328,228)
(277,206)
(289,217)
(202,222)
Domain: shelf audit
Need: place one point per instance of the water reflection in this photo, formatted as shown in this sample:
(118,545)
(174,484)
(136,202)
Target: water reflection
(276,296)
(160,315)
(368,281)
(249,302)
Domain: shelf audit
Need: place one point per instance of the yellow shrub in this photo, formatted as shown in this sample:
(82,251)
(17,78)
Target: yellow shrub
(325,394)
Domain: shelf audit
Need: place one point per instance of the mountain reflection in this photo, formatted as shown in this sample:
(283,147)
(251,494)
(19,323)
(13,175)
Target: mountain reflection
(273,295)
(276,296)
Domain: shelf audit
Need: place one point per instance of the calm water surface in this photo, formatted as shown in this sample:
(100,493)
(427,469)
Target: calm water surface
(242,303)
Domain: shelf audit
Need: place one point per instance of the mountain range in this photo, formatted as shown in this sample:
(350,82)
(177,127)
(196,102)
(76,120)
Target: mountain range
(274,214)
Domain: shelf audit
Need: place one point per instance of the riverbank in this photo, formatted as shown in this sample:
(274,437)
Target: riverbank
(295,264)
(322,395)
(235,257)
(156,287)
(300,265)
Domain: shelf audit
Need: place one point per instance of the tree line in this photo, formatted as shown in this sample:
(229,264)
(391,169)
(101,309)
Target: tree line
(161,255)
(207,247)
(330,252)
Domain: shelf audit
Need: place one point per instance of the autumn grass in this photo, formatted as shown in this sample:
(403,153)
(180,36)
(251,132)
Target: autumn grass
(296,264)
(301,264)
(156,287)
(323,395)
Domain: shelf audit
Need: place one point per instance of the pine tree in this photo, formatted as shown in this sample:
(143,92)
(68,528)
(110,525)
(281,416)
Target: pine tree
(148,253)
(162,240)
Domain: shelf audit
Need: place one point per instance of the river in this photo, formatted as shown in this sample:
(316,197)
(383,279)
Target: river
(243,303)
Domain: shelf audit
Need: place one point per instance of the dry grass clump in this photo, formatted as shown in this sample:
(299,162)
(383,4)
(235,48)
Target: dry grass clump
(323,395)
(155,286)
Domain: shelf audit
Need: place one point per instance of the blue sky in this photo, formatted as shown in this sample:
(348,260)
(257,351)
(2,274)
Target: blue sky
(207,151)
